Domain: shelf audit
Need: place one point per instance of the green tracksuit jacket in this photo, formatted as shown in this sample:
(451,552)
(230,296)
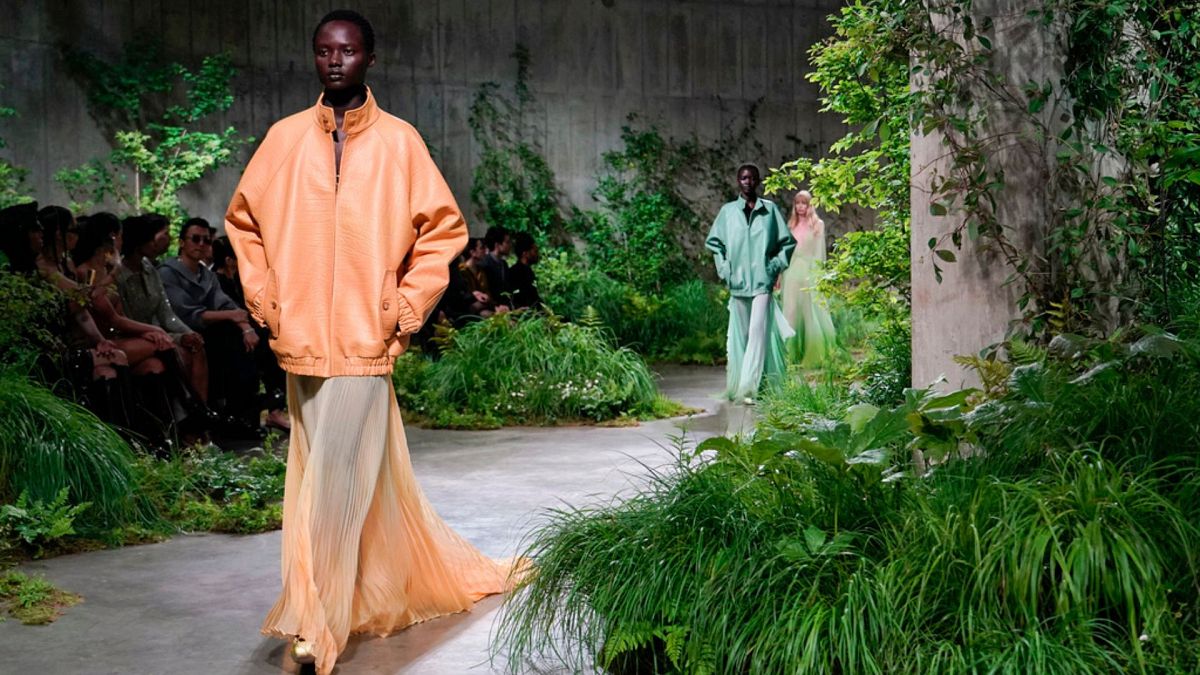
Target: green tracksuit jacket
(750,254)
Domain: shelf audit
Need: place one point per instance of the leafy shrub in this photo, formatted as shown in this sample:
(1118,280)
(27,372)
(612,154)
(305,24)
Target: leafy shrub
(31,310)
(1052,530)
(37,524)
(685,323)
(205,489)
(886,370)
(655,195)
(635,242)
(523,368)
(48,444)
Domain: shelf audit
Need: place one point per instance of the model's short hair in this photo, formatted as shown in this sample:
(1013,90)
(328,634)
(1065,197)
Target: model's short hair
(522,242)
(364,26)
(494,236)
(748,165)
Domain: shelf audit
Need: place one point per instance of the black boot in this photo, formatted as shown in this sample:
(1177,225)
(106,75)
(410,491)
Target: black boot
(155,418)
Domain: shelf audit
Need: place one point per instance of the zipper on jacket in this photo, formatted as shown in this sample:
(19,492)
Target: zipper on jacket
(338,165)
(337,162)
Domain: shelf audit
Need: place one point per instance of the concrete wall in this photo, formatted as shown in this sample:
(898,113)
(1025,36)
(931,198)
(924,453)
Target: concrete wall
(973,308)
(693,64)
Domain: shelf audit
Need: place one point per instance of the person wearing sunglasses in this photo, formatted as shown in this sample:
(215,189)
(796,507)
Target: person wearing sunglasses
(196,297)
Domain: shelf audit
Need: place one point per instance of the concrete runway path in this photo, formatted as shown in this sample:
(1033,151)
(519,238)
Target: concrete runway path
(194,604)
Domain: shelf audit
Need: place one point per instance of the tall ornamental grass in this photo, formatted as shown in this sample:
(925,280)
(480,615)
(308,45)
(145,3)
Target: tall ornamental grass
(48,444)
(1050,525)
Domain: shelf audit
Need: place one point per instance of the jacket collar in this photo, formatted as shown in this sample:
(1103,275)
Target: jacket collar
(758,203)
(356,120)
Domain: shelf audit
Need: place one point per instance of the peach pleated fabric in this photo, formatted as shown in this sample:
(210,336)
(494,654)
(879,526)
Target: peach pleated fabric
(363,551)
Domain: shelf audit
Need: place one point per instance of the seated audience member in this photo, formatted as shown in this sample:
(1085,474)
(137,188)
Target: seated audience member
(149,349)
(93,362)
(206,256)
(522,282)
(94,257)
(475,278)
(495,266)
(143,298)
(224,264)
(230,341)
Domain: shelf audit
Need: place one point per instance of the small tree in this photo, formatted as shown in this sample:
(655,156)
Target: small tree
(159,146)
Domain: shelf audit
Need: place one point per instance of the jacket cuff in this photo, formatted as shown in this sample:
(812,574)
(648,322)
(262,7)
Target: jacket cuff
(407,322)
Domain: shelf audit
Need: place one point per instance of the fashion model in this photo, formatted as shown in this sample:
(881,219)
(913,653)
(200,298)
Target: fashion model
(751,245)
(803,307)
(344,231)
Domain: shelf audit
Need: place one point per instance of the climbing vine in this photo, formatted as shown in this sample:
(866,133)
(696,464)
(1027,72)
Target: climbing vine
(513,184)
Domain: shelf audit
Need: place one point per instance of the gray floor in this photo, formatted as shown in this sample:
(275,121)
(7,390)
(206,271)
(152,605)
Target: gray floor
(194,604)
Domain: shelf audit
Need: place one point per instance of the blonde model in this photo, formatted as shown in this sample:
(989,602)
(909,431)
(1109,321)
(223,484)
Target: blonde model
(344,230)
(803,307)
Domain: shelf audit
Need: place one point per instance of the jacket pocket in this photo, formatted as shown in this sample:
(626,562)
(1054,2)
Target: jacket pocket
(389,305)
(735,278)
(270,306)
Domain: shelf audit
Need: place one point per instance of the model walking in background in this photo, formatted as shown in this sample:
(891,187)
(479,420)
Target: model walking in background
(750,245)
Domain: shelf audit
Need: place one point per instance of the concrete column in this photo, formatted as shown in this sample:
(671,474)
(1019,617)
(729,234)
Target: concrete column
(975,304)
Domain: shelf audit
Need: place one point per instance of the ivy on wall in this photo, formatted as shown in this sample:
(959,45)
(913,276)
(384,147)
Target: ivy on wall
(513,185)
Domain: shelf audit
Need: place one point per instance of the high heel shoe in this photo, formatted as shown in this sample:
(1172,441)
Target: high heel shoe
(302,651)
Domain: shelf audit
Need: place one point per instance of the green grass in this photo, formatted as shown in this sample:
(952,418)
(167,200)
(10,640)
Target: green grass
(47,444)
(527,369)
(33,600)
(1056,535)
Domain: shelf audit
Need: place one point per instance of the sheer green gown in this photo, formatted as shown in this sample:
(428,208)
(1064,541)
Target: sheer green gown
(805,310)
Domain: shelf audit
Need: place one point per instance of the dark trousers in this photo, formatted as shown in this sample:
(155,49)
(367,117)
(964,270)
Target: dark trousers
(274,380)
(232,372)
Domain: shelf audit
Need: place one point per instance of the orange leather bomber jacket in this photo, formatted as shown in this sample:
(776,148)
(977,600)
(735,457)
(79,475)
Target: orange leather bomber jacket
(343,269)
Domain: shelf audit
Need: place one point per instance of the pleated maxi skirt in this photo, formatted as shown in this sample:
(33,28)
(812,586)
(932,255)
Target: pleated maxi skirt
(363,550)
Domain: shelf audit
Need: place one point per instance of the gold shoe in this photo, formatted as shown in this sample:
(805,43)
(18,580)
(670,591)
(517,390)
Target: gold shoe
(302,651)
